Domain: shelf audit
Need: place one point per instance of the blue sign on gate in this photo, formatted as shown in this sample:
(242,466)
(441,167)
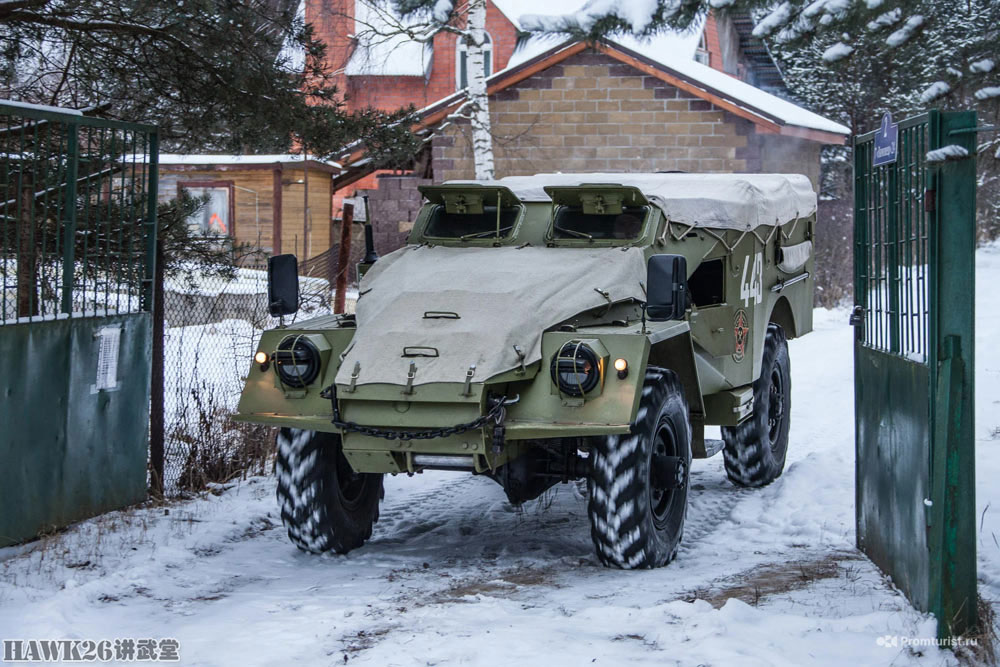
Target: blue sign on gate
(886,142)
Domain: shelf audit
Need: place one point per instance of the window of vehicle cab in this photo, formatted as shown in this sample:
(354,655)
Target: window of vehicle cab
(572,222)
(581,217)
(474,216)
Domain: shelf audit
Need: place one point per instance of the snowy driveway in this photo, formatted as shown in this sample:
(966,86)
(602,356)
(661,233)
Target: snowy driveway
(454,575)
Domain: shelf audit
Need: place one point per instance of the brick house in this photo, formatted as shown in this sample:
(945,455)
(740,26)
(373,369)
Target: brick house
(708,100)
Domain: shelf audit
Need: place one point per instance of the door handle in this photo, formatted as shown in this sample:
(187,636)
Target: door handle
(857,316)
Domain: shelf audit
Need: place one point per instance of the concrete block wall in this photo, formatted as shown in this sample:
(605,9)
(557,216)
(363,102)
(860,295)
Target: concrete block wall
(394,207)
(593,113)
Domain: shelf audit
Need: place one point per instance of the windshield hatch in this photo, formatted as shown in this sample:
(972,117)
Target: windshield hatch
(572,223)
(445,224)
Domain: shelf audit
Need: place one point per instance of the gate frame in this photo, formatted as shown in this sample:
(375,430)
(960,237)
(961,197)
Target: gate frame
(949,201)
(73,449)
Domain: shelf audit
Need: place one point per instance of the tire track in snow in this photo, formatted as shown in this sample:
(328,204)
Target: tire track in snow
(711,502)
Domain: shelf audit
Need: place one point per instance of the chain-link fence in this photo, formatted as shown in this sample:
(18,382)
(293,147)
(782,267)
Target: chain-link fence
(212,323)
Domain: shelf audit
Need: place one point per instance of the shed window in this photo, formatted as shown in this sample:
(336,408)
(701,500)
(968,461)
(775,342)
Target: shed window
(213,219)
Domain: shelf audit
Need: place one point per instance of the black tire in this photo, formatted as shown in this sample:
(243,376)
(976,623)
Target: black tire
(755,450)
(633,524)
(324,504)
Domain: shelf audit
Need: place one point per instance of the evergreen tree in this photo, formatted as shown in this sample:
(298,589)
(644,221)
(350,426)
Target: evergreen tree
(218,75)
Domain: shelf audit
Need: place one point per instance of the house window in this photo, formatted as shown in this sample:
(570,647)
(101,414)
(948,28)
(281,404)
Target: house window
(701,53)
(215,217)
(462,61)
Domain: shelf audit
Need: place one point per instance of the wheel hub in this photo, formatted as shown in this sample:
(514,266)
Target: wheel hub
(668,472)
(775,407)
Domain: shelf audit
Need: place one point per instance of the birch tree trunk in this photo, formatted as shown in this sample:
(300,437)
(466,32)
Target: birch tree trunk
(482,137)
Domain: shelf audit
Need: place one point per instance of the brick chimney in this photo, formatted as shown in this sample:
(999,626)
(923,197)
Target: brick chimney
(333,22)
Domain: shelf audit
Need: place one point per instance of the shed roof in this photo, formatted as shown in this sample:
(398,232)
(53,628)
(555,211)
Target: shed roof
(231,161)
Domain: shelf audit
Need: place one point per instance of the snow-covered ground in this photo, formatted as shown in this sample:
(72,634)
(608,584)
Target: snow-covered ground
(453,574)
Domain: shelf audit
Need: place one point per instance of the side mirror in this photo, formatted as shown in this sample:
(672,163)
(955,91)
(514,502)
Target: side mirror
(666,287)
(282,285)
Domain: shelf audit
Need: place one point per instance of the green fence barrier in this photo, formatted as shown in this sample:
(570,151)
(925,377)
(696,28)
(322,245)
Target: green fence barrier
(914,264)
(77,240)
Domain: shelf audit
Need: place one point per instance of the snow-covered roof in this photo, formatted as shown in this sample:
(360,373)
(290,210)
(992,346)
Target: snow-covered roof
(670,44)
(191,159)
(747,96)
(379,52)
(718,201)
(41,107)
(674,53)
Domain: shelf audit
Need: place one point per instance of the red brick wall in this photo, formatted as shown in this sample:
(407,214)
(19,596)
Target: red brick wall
(333,23)
(712,43)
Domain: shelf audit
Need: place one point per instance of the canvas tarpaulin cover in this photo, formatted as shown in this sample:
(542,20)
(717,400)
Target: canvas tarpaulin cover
(718,201)
(503,297)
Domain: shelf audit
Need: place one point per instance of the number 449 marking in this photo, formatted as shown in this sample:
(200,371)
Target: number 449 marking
(750,286)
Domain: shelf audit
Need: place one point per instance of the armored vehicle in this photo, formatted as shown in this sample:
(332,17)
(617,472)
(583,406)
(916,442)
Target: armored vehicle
(543,329)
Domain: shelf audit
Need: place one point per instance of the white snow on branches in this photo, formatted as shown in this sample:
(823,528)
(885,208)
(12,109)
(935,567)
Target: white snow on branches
(829,7)
(637,13)
(874,4)
(837,52)
(951,152)
(934,91)
(885,19)
(988,93)
(904,33)
(293,53)
(985,65)
(776,19)
(442,10)
(718,4)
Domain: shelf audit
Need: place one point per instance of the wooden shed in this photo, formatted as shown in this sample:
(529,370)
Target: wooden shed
(278,203)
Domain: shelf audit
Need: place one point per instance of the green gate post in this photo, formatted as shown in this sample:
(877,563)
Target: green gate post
(914,278)
(953,527)
(69,233)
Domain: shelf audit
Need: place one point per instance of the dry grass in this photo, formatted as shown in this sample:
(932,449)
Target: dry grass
(219,449)
(501,584)
(755,584)
(979,647)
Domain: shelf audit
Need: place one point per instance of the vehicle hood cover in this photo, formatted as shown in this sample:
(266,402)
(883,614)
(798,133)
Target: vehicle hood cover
(503,297)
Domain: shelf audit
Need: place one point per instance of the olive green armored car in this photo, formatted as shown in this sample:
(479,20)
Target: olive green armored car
(543,329)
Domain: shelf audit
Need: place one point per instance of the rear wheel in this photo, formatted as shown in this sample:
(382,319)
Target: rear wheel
(325,505)
(755,450)
(638,482)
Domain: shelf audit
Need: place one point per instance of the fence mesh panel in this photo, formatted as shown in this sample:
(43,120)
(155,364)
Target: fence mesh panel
(77,210)
(212,324)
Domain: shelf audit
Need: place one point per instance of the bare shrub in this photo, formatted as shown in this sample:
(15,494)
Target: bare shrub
(219,448)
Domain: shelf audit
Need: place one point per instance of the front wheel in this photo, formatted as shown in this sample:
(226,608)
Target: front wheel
(325,505)
(639,481)
(755,450)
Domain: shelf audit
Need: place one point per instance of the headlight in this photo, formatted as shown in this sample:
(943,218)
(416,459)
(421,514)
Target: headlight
(297,361)
(576,369)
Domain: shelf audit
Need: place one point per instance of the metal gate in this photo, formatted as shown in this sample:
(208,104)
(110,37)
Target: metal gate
(77,235)
(914,272)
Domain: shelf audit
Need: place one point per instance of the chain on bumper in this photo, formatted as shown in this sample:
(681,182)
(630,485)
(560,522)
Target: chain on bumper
(496,413)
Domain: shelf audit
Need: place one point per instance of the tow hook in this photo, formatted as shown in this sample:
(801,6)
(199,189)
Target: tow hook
(498,407)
